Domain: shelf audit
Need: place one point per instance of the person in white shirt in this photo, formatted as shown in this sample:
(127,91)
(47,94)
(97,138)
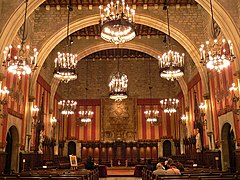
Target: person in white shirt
(160,170)
(173,170)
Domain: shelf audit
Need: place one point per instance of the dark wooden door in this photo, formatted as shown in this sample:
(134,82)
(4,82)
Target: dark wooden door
(71,148)
(167,150)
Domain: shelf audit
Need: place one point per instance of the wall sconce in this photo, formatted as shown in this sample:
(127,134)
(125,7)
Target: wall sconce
(3,101)
(235,99)
(202,108)
(183,119)
(54,122)
(35,110)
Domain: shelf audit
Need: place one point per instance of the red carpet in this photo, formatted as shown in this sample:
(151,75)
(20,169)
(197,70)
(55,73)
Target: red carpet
(120,171)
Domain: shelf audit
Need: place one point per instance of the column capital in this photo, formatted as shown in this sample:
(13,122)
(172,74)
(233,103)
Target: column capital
(2,76)
(237,74)
(206,96)
(31,98)
(50,111)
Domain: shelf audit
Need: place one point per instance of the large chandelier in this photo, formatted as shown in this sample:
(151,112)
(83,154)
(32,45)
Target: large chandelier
(117,22)
(171,63)
(67,107)
(169,105)
(118,86)
(19,61)
(151,114)
(216,55)
(3,92)
(86,115)
(65,63)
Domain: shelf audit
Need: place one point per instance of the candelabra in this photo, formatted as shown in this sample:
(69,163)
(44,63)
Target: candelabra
(216,55)
(19,63)
(65,63)
(183,119)
(202,108)
(3,101)
(169,105)
(171,63)
(235,99)
(35,111)
(117,22)
(54,122)
(67,107)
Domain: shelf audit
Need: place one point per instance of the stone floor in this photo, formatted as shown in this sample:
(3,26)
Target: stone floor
(120,178)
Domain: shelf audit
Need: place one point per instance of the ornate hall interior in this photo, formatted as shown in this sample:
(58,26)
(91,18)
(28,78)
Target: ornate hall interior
(88,92)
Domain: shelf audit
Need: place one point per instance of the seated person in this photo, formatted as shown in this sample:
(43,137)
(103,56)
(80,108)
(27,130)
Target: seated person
(173,170)
(168,163)
(149,165)
(179,166)
(89,165)
(160,170)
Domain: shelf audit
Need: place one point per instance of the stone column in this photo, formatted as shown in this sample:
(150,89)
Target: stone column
(78,149)
(56,136)
(160,152)
(50,131)
(29,122)
(188,132)
(182,149)
(209,118)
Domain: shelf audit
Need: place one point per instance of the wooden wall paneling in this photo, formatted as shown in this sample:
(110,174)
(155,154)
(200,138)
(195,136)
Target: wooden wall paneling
(128,153)
(148,152)
(32,160)
(103,154)
(84,154)
(237,160)
(96,154)
(154,152)
(142,153)
(2,161)
(110,154)
(90,152)
(210,161)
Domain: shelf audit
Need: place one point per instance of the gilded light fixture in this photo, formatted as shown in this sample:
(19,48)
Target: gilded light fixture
(171,63)
(117,22)
(66,62)
(151,114)
(18,61)
(118,85)
(169,105)
(216,55)
(86,115)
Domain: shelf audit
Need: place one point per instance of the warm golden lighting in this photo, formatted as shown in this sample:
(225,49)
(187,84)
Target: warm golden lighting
(216,56)
(117,22)
(169,105)
(86,116)
(20,62)
(118,86)
(67,107)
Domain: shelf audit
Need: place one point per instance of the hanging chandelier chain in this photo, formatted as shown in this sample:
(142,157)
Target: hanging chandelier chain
(68,24)
(211,7)
(24,25)
(118,58)
(86,80)
(66,62)
(171,62)
(216,55)
(169,33)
